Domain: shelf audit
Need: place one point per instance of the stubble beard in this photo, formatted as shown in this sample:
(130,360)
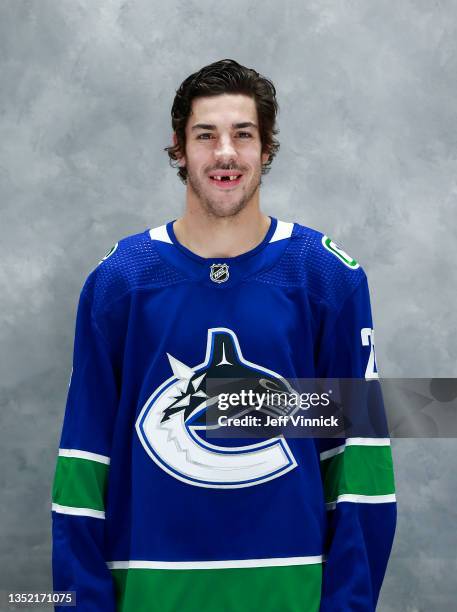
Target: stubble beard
(219,208)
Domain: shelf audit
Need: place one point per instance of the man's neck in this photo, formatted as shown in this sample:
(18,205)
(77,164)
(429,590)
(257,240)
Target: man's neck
(209,236)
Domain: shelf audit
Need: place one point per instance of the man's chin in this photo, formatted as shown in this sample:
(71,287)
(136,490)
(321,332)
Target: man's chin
(225,209)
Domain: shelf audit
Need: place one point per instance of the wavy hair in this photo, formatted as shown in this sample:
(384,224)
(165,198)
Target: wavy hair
(225,77)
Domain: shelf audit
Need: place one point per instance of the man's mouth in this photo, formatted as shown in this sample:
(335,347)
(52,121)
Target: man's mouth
(226,181)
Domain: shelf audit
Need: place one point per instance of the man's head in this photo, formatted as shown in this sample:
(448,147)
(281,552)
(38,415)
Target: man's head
(223,118)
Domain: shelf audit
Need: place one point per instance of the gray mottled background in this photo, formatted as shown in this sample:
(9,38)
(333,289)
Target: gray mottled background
(367,90)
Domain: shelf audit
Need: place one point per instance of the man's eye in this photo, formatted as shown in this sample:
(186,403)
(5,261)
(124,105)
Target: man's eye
(208,135)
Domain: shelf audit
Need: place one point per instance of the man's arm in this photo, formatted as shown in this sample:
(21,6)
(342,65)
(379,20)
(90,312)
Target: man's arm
(79,490)
(357,471)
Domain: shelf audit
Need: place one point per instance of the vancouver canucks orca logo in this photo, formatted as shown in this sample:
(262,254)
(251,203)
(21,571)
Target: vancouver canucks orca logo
(179,411)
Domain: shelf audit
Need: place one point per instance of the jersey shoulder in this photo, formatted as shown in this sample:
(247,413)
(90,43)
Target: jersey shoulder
(317,263)
(131,263)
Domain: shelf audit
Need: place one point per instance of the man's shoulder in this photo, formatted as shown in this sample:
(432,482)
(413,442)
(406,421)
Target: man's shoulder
(320,264)
(132,262)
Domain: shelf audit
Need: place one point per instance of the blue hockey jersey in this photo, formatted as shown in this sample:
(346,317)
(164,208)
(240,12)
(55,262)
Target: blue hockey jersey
(148,514)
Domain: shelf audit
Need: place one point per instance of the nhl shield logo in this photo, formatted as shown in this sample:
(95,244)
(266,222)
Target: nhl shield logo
(219,273)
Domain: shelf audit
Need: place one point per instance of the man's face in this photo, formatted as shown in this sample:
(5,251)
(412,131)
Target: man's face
(222,139)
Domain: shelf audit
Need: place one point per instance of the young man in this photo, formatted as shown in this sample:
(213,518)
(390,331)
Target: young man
(150,513)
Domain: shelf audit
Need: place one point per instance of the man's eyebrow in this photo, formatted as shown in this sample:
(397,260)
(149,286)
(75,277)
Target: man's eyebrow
(235,126)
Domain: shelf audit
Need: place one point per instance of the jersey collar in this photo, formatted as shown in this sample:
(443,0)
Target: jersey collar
(222,272)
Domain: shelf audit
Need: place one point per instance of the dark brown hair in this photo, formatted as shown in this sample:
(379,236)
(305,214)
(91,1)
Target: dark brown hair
(222,77)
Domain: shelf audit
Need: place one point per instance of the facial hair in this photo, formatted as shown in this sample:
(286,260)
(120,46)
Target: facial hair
(215,207)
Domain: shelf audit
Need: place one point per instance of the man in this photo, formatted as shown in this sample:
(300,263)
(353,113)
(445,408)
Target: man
(149,512)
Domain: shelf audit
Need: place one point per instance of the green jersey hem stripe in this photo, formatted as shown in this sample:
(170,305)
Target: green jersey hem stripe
(222,564)
(269,589)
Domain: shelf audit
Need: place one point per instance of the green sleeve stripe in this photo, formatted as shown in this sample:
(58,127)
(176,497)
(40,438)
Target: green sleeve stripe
(359,470)
(80,483)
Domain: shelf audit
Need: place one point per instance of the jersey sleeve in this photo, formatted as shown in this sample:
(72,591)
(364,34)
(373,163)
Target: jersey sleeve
(81,475)
(357,470)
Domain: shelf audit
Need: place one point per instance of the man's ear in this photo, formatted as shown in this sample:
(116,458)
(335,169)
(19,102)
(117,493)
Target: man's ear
(265,157)
(181,158)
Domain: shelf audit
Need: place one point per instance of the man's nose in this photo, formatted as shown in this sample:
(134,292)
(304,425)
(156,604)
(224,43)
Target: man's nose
(225,149)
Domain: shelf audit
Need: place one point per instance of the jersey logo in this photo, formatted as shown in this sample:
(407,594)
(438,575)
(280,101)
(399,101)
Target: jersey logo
(173,422)
(109,253)
(219,273)
(333,248)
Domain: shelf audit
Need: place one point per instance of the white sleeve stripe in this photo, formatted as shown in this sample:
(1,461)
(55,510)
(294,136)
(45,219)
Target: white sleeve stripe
(78,511)
(80,454)
(361,499)
(368,442)
(354,442)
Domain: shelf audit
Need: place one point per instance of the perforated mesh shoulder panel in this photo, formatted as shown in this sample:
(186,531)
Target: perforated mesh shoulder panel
(134,264)
(306,263)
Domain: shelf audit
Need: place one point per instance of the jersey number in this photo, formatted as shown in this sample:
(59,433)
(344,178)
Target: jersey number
(367,334)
